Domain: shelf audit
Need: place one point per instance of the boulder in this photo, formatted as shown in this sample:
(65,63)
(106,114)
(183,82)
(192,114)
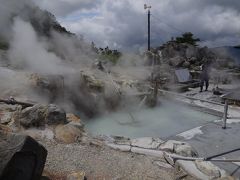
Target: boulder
(169,145)
(72,118)
(190,168)
(33,116)
(21,157)
(178,147)
(208,168)
(55,115)
(185,150)
(39,115)
(69,133)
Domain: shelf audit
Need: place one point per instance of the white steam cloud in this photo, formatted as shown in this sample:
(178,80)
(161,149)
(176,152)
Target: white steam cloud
(28,53)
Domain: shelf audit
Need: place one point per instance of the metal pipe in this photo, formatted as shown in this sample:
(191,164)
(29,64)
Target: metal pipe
(225,114)
(177,157)
(221,154)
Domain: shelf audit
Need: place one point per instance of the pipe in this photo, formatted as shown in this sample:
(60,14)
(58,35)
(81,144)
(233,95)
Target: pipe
(175,158)
(221,154)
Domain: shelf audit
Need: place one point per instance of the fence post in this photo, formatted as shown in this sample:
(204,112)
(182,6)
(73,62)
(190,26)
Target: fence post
(225,115)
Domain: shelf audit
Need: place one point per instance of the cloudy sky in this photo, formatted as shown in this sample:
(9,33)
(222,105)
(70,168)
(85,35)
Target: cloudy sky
(122,24)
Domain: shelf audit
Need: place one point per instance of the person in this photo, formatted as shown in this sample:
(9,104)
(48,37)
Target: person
(204,77)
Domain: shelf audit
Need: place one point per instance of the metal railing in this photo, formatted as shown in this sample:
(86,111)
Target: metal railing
(225,105)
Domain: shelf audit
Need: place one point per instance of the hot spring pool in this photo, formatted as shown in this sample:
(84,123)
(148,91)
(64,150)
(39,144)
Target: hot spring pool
(167,120)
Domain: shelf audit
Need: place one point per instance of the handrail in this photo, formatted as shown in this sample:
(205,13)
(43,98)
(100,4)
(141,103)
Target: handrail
(192,98)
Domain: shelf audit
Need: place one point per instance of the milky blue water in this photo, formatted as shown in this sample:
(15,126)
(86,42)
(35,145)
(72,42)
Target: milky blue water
(164,121)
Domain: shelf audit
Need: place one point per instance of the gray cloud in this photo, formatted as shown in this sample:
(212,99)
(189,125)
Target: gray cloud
(123,23)
(63,8)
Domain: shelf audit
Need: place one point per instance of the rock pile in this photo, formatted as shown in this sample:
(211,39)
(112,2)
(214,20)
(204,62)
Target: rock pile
(152,146)
(156,147)
(188,56)
(43,122)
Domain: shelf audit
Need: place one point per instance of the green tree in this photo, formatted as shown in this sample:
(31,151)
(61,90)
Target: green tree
(110,55)
(187,38)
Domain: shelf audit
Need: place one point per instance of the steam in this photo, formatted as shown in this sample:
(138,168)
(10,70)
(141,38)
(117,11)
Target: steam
(28,53)
(58,67)
(8,9)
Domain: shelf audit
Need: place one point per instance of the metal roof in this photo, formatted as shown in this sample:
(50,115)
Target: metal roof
(183,75)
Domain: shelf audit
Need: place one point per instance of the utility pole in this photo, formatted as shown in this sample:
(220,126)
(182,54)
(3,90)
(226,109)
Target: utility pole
(149,27)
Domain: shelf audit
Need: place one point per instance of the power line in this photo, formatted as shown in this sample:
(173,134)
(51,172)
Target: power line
(171,26)
(159,38)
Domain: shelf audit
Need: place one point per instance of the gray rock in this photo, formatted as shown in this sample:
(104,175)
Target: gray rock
(190,168)
(5,118)
(55,115)
(185,150)
(169,145)
(69,133)
(39,115)
(32,116)
(147,142)
(208,168)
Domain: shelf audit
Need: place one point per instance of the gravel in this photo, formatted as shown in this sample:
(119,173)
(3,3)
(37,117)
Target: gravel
(101,162)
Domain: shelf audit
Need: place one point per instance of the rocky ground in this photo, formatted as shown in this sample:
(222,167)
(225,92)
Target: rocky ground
(72,150)
(101,162)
